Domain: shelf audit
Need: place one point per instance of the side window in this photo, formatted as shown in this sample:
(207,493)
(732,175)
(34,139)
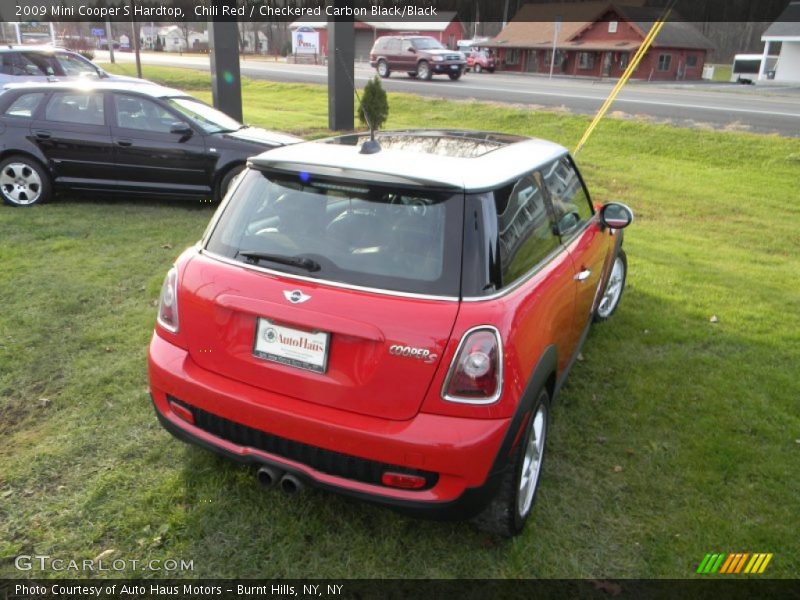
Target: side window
(406,46)
(25,105)
(134,112)
(570,200)
(69,107)
(72,65)
(525,229)
(8,64)
(393,46)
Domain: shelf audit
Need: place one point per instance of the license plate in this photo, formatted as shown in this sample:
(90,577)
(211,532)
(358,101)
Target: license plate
(292,347)
(454,67)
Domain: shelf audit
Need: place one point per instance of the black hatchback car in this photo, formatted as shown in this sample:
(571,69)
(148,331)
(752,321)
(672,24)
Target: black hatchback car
(107,136)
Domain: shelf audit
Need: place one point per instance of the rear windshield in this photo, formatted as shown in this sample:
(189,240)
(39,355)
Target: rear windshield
(384,237)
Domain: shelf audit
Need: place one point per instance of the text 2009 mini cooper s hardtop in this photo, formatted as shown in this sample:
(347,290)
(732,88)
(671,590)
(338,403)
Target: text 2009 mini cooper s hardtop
(390,323)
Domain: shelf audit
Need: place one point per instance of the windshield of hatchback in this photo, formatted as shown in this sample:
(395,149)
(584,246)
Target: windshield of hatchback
(368,235)
(209,119)
(426,44)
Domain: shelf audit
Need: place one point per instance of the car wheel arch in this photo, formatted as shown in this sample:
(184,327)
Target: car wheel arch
(43,162)
(223,172)
(543,376)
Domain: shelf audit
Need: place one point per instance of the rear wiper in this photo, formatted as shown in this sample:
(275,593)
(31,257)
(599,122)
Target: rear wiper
(293,261)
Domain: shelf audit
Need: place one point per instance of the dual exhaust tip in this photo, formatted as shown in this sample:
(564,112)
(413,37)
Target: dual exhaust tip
(269,476)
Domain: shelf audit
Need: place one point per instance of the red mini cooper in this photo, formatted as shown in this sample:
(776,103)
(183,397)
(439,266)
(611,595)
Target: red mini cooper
(390,321)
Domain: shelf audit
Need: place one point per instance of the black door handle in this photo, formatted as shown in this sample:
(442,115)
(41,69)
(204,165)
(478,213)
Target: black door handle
(43,135)
(124,142)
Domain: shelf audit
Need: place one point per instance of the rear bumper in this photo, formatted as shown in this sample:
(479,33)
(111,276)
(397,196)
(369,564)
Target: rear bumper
(461,452)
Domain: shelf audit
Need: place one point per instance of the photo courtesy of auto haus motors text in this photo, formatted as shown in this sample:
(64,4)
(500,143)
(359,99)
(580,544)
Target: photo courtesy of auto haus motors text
(355,299)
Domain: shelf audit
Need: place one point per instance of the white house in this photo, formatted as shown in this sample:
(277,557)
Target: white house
(171,38)
(785,30)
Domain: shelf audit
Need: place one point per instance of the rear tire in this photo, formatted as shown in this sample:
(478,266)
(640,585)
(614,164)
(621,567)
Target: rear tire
(424,70)
(454,76)
(614,288)
(478,68)
(24,181)
(383,69)
(227,180)
(508,511)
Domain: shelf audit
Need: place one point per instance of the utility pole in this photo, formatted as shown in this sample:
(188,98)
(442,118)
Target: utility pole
(110,40)
(556,30)
(135,32)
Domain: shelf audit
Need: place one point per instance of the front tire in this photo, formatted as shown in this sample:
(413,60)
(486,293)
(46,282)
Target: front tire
(24,181)
(508,511)
(478,68)
(614,288)
(455,76)
(383,69)
(424,70)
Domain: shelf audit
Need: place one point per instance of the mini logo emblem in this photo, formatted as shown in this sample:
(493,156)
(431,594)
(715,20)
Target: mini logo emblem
(270,335)
(296,296)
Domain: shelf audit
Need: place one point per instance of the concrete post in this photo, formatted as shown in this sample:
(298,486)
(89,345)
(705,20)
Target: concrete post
(341,72)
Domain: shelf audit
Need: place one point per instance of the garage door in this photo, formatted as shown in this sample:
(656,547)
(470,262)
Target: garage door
(364,41)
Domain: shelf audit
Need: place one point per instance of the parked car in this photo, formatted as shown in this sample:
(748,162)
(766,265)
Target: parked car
(418,55)
(44,63)
(391,325)
(110,136)
(480,60)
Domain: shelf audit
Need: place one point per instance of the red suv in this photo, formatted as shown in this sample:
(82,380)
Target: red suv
(418,55)
(392,325)
(480,60)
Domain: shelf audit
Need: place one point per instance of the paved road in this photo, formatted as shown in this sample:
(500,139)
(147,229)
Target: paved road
(736,107)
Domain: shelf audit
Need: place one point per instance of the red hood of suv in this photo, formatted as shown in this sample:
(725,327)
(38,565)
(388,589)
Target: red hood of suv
(220,304)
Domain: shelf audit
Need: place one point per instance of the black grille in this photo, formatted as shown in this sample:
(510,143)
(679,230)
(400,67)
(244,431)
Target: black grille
(452,57)
(325,461)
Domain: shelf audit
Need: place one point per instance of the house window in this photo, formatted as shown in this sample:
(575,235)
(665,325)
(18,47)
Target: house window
(664,62)
(585,60)
(612,26)
(512,56)
(624,57)
(691,61)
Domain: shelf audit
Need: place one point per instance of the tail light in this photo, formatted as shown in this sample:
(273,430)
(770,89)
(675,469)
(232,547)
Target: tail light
(168,302)
(476,375)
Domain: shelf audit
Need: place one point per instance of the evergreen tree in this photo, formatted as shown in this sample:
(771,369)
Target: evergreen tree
(374,103)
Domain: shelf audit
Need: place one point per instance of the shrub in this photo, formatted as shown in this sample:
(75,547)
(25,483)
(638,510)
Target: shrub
(374,103)
(87,54)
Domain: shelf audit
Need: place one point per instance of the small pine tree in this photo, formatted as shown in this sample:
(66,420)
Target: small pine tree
(374,102)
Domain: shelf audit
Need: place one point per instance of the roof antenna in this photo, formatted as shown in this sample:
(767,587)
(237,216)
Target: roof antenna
(371,146)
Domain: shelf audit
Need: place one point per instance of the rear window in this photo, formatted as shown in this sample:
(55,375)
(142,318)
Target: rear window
(384,237)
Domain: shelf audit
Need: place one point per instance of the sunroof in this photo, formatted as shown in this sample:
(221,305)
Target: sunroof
(460,144)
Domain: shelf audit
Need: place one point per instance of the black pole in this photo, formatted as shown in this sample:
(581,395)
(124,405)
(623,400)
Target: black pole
(226,81)
(341,72)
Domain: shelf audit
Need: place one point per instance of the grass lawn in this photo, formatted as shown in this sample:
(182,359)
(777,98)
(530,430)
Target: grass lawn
(675,436)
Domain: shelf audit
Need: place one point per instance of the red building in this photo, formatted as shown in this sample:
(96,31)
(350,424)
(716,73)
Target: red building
(602,46)
(447,29)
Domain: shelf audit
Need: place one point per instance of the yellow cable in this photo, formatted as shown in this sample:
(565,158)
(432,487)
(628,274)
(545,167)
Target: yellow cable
(637,58)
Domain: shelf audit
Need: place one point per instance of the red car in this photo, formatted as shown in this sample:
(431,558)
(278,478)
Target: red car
(391,323)
(480,60)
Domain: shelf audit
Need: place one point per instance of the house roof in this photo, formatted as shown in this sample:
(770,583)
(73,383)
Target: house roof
(787,25)
(534,24)
(443,20)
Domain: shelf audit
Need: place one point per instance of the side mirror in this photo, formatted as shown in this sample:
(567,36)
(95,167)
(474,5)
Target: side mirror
(412,50)
(616,215)
(180,128)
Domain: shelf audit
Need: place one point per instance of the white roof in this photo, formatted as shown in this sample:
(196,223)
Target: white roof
(492,168)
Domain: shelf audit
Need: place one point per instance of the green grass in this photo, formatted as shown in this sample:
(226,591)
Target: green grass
(674,437)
